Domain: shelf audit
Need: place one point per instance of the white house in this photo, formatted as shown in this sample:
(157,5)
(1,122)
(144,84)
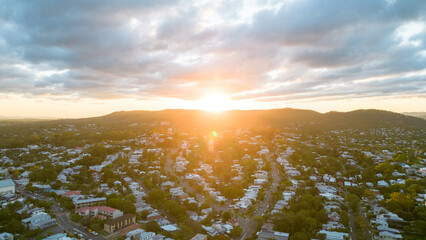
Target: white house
(7,186)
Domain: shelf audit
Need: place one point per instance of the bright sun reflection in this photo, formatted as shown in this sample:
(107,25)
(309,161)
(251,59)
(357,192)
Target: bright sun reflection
(215,102)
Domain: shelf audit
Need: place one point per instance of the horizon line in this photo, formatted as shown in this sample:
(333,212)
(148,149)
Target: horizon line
(36,118)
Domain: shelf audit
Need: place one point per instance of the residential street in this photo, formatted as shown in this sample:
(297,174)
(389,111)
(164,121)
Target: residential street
(62,217)
(249,225)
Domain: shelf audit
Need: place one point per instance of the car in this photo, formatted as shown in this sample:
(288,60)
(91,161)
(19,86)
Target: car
(80,235)
(95,233)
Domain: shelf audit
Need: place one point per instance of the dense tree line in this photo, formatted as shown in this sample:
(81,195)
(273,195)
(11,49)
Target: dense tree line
(305,215)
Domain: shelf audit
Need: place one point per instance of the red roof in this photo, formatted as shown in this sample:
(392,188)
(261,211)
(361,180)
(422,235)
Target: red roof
(70,193)
(183,197)
(107,209)
(232,222)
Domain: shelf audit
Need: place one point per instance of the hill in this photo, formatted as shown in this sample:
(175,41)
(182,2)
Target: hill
(254,118)
(416,114)
(370,119)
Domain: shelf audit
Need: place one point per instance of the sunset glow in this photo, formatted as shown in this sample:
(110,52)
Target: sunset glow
(212,119)
(210,55)
(214,102)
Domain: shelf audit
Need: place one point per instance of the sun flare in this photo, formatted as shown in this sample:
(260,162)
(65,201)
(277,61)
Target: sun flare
(215,102)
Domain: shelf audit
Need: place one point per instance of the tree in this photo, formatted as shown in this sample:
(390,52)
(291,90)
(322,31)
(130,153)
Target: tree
(300,236)
(76,218)
(175,209)
(353,201)
(226,216)
(368,193)
(401,202)
(144,214)
(14,226)
(235,232)
(124,204)
(385,168)
(156,196)
(152,226)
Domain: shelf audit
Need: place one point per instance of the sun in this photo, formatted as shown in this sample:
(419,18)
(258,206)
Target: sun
(215,102)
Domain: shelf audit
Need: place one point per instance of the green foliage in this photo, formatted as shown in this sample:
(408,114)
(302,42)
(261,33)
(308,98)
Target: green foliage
(175,209)
(385,168)
(353,201)
(39,203)
(226,216)
(401,204)
(14,226)
(66,203)
(46,174)
(156,196)
(300,236)
(152,226)
(125,204)
(144,214)
(232,191)
(305,215)
(235,232)
(76,218)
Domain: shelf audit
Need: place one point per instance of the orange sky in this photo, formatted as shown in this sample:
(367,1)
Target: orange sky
(89,58)
(42,108)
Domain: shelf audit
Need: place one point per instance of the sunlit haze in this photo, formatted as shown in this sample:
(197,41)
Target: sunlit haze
(89,58)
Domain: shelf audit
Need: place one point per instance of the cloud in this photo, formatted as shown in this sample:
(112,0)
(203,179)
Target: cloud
(267,50)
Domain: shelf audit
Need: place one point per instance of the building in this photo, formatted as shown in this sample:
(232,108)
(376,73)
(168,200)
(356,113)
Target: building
(71,194)
(268,234)
(79,203)
(389,236)
(99,211)
(120,222)
(6,236)
(199,237)
(7,186)
(334,235)
(40,220)
(140,234)
(59,236)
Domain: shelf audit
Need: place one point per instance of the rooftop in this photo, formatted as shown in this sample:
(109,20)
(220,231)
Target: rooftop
(7,183)
(120,219)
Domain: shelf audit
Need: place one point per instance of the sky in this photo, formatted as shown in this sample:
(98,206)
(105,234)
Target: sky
(70,59)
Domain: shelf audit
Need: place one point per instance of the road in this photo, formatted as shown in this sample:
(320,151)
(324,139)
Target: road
(351,224)
(61,216)
(249,225)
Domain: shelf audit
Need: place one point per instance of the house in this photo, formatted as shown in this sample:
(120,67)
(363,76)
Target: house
(99,211)
(389,236)
(119,223)
(7,187)
(40,220)
(139,234)
(199,237)
(8,236)
(169,228)
(268,234)
(58,236)
(334,235)
(71,194)
(382,183)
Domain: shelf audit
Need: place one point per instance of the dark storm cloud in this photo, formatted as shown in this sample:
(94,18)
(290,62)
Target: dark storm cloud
(182,49)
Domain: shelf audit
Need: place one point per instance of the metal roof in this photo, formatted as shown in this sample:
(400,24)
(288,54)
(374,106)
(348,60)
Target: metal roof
(7,183)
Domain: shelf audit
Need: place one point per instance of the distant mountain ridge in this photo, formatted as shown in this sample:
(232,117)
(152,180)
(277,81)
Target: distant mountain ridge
(252,118)
(416,114)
